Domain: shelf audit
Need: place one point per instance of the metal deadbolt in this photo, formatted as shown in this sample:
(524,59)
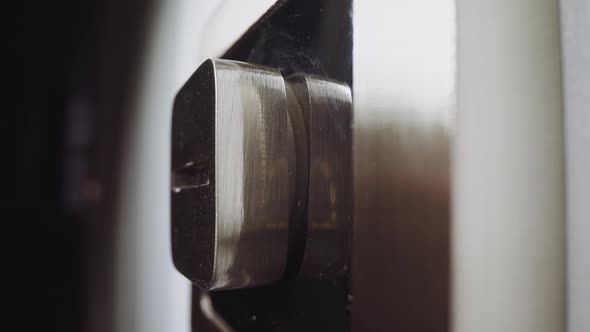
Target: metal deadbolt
(261,173)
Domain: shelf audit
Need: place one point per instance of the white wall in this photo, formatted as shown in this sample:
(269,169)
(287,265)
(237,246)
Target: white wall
(575,40)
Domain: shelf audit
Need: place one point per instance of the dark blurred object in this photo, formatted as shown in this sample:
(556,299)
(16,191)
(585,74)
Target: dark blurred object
(59,68)
(54,47)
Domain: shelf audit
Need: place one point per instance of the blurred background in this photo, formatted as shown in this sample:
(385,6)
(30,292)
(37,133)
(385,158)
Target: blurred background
(85,199)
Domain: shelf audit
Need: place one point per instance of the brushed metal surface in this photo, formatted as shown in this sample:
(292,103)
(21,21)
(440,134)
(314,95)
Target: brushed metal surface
(230,176)
(326,107)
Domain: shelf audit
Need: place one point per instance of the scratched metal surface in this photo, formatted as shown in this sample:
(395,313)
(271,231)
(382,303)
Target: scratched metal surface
(230,176)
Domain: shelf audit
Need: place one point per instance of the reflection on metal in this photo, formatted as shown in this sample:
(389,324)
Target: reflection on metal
(260,176)
(404,96)
(232,232)
(504,268)
(326,109)
(212,315)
